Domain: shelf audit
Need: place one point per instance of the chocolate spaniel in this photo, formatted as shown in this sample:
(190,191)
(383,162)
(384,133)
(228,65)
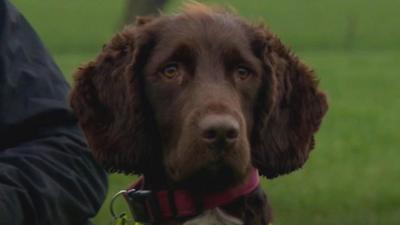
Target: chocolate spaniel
(200,103)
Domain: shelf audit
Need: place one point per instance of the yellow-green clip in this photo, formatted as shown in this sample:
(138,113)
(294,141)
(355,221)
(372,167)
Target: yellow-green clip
(121,218)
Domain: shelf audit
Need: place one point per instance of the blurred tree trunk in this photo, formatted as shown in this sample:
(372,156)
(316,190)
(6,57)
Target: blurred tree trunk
(136,8)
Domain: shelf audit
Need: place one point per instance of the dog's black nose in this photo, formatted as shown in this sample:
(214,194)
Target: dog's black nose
(219,131)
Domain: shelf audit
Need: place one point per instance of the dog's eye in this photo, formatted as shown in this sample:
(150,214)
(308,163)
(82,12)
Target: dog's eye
(170,71)
(242,72)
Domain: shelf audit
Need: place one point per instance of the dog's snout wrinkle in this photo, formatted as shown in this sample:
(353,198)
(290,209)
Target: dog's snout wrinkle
(219,131)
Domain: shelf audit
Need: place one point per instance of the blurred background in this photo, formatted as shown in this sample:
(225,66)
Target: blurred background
(353,175)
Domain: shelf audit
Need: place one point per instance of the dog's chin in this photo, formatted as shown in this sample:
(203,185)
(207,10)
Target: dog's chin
(213,177)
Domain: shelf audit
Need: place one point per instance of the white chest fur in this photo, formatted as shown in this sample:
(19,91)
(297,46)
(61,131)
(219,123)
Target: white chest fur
(214,217)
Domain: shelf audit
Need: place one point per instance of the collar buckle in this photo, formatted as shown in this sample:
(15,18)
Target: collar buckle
(143,205)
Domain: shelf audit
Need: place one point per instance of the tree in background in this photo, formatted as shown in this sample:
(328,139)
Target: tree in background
(136,8)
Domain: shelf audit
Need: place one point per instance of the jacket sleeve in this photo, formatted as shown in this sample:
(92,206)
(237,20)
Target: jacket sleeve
(47,174)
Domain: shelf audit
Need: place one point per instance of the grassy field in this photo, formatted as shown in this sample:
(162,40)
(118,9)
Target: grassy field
(353,176)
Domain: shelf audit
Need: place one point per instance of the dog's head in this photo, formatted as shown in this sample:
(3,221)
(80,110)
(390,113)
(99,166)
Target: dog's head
(198,95)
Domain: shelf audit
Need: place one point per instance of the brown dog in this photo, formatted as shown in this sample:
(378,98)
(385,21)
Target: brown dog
(194,101)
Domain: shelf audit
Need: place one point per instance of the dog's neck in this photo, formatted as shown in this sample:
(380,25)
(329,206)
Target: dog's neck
(245,203)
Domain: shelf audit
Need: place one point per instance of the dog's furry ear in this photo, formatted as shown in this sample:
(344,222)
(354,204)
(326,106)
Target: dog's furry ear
(142,20)
(290,109)
(108,101)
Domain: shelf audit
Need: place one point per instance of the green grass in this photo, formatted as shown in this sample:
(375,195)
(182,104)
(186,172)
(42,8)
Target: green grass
(76,26)
(71,25)
(326,24)
(353,175)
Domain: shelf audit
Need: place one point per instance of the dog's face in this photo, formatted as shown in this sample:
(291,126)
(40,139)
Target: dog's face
(202,80)
(201,96)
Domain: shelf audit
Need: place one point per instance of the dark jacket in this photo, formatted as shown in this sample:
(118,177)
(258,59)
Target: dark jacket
(47,175)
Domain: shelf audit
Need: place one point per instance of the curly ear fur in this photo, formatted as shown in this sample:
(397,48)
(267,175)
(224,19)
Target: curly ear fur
(108,102)
(290,109)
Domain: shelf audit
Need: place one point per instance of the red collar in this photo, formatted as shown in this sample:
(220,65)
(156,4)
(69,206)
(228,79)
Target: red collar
(150,207)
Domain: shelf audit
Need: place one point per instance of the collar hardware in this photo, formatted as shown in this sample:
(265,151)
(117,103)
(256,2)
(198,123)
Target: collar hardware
(143,205)
(149,207)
